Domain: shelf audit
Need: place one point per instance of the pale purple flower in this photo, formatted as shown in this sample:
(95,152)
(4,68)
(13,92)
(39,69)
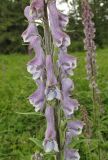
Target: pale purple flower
(57,22)
(30,33)
(50,143)
(37,98)
(37,7)
(52,91)
(67,63)
(36,67)
(74,128)
(63,20)
(31,30)
(28,14)
(67,86)
(69,106)
(37,64)
(71,154)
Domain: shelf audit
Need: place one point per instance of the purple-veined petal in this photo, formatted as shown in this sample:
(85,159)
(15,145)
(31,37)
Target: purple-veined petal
(71,154)
(51,78)
(74,129)
(56,23)
(50,146)
(35,43)
(36,67)
(49,114)
(51,91)
(29,33)
(37,98)
(37,7)
(63,20)
(69,106)
(28,14)
(67,63)
(67,86)
(50,143)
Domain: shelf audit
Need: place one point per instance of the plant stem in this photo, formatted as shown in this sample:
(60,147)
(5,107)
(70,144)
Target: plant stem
(49,50)
(57,127)
(47,34)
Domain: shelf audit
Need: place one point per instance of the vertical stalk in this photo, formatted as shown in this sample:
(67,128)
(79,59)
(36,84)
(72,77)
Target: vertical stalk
(47,34)
(49,50)
(58,155)
(91,53)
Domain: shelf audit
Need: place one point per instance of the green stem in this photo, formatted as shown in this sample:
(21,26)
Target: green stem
(96,105)
(57,127)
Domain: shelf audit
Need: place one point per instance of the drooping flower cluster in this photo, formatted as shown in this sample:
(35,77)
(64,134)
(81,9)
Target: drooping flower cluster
(41,68)
(66,64)
(50,87)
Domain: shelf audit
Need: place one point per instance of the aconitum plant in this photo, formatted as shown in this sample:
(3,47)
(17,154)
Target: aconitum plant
(91,67)
(52,74)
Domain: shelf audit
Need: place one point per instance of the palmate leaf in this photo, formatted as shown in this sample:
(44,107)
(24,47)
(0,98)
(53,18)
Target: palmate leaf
(37,142)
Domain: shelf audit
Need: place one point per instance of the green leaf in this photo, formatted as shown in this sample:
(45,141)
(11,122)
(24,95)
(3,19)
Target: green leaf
(31,113)
(37,142)
(50,156)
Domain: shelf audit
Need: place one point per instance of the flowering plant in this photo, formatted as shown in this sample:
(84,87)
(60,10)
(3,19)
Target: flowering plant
(53,96)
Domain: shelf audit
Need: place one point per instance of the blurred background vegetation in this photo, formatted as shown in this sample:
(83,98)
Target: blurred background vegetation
(13,23)
(16,84)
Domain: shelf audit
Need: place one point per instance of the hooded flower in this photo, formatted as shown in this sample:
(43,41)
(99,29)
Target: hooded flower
(37,7)
(37,98)
(37,65)
(67,86)
(28,14)
(71,154)
(52,90)
(57,22)
(67,63)
(50,143)
(69,106)
(31,30)
(74,129)
(63,20)
(29,34)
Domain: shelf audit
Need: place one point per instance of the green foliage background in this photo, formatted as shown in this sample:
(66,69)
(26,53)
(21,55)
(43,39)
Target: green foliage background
(12,24)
